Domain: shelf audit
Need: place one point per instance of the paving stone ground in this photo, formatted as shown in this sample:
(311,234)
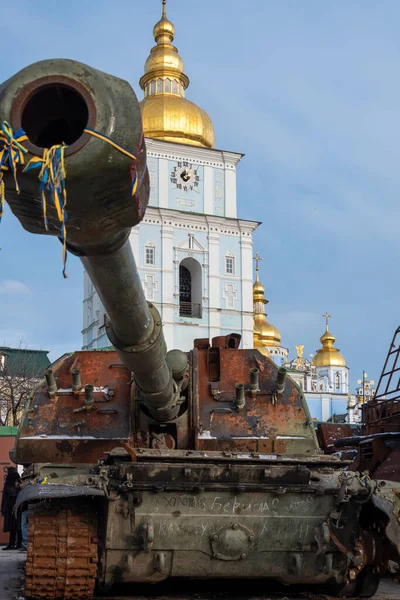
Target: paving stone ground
(12,571)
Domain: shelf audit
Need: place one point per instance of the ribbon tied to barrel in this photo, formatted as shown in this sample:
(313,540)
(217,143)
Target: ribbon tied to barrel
(52,174)
(52,180)
(11,155)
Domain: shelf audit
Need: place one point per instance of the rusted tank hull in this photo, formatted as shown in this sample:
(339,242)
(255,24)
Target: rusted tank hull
(292,519)
(223,534)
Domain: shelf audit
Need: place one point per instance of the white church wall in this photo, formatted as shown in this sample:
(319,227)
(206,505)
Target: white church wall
(200,231)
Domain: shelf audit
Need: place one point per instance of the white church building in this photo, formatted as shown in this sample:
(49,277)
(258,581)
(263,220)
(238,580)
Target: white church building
(194,255)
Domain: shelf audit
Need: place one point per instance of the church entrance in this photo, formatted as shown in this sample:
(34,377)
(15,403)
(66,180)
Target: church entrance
(185,292)
(187,308)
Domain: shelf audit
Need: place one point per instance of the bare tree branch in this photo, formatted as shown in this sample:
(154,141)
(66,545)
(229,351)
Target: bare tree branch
(17,380)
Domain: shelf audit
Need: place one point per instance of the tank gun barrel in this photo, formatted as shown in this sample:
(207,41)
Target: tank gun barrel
(56,102)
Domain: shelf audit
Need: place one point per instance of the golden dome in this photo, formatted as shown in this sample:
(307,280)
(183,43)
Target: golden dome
(328,356)
(258,289)
(175,119)
(265,334)
(166,114)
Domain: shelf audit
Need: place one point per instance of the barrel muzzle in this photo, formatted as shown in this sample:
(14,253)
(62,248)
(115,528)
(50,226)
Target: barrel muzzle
(56,102)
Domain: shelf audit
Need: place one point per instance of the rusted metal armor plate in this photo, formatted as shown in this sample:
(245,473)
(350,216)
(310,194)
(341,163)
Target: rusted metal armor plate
(61,429)
(266,424)
(328,433)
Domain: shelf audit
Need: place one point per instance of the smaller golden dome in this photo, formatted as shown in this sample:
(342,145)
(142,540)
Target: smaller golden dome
(265,334)
(164,30)
(258,289)
(328,356)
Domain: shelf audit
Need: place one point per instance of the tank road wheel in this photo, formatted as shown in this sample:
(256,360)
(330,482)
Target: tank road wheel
(61,560)
(364,586)
(340,590)
(367,583)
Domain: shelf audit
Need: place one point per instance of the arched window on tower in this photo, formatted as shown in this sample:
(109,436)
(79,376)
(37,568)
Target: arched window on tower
(337,380)
(149,254)
(229,263)
(190,286)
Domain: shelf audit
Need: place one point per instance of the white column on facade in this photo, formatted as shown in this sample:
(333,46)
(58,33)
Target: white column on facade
(208,190)
(230,192)
(84,308)
(163,182)
(167,283)
(331,379)
(85,297)
(326,408)
(246,257)
(134,240)
(345,380)
(214,284)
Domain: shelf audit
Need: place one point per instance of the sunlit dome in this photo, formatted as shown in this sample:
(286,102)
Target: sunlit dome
(265,334)
(328,356)
(166,113)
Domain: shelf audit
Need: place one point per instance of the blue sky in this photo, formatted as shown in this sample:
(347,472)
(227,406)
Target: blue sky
(310,92)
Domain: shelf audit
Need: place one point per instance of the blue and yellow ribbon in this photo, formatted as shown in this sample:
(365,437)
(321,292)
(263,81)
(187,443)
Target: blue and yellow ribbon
(52,173)
(11,155)
(100,136)
(52,177)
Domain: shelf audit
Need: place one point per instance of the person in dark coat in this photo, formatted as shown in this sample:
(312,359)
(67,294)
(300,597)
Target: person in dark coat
(10,493)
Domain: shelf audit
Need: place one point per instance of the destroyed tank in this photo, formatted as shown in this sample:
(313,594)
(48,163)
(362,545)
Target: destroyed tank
(376,444)
(156,464)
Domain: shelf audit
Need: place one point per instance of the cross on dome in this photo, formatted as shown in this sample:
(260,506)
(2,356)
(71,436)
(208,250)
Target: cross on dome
(257,259)
(327,316)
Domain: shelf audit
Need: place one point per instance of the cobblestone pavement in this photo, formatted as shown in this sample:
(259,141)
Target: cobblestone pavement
(12,571)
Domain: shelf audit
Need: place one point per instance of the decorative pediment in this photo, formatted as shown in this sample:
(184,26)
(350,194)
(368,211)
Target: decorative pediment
(190,244)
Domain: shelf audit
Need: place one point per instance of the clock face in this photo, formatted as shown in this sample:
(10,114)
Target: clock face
(184,176)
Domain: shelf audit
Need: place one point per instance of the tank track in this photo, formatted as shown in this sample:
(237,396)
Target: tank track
(62,553)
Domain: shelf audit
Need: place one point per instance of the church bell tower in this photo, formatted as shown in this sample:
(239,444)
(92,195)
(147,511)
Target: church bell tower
(193,254)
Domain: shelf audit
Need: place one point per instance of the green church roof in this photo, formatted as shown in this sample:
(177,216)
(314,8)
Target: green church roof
(25,362)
